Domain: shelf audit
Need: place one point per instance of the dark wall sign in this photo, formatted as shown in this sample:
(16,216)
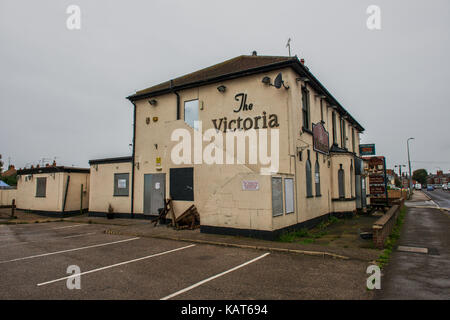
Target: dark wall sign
(263,121)
(320,138)
(367,149)
(377,177)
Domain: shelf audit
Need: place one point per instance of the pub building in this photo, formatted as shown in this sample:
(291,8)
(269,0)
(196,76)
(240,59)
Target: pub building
(312,143)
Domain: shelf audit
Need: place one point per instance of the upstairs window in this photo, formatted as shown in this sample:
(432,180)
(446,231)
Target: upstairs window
(333,120)
(191,113)
(353,140)
(305,108)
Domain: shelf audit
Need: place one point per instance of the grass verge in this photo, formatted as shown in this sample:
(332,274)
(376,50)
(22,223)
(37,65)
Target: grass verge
(383,259)
(306,236)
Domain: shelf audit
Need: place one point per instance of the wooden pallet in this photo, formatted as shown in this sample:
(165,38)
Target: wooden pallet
(189,219)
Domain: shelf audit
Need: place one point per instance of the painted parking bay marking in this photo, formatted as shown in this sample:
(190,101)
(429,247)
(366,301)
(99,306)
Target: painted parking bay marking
(69,250)
(115,265)
(213,277)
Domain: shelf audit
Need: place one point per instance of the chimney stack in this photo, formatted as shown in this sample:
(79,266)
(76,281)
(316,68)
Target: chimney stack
(54,163)
(302,61)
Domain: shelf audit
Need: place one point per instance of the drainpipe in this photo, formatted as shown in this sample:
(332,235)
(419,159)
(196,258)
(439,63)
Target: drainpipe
(178,99)
(133,160)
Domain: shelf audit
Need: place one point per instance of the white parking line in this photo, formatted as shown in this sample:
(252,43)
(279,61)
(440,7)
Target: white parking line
(213,277)
(79,235)
(114,265)
(69,250)
(74,226)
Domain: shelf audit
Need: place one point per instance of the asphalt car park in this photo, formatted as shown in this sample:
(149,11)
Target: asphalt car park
(34,262)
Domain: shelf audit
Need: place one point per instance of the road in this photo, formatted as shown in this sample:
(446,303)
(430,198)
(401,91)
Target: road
(34,260)
(440,197)
(414,275)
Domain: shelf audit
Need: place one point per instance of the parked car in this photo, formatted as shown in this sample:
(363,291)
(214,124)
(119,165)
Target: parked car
(418,186)
(430,188)
(445,187)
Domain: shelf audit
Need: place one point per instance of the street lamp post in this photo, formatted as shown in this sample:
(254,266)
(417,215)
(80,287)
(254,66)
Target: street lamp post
(409,164)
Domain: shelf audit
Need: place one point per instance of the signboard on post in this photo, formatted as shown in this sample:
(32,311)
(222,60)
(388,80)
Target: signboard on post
(367,149)
(377,178)
(320,138)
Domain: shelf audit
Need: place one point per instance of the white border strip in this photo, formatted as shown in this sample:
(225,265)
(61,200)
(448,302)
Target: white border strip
(213,277)
(69,250)
(114,265)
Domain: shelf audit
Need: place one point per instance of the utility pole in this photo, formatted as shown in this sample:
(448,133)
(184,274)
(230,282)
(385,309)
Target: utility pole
(409,164)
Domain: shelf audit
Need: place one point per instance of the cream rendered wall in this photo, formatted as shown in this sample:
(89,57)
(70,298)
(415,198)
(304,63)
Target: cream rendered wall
(26,192)
(217,190)
(7,195)
(101,192)
(216,105)
(73,200)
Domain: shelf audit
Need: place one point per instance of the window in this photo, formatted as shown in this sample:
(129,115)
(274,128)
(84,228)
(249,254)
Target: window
(277,196)
(41,187)
(321,110)
(351,179)
(309,192)
(289,195)
(341,182)
(121,184)
(305,108)
(333,118)
(317,177)
(353,140)
(182,184)
(344,134)
(191,112)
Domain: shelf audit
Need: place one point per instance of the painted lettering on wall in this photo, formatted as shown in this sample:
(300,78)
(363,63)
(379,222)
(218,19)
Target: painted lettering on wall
(263,121)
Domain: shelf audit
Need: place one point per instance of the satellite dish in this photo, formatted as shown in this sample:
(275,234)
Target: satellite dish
(278,81)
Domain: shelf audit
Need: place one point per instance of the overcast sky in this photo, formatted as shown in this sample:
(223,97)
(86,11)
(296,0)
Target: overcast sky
(62,92)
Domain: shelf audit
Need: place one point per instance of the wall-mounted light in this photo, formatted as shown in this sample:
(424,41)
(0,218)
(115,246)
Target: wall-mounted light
(266,80)
(153,102)
(221,88)
(304,79)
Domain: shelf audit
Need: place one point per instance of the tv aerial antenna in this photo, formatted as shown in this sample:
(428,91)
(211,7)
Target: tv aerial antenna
(288,45)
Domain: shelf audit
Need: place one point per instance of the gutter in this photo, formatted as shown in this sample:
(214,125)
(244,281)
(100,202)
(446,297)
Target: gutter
(133,159)
(178,99)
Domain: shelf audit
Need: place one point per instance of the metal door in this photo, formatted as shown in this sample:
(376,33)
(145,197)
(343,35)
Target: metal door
(154,192)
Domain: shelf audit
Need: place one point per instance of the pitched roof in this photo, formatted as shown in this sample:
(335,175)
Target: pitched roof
(235,68)
(227,67)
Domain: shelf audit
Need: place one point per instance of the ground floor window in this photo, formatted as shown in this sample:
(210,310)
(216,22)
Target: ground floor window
(341,182)
(317,178)
(277,196)
(41,187)
(289,195)
(121,184)
(309,192)
(182,184)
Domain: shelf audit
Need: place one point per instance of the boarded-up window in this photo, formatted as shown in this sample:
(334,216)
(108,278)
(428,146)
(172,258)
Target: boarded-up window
(289,195)
(182,184)
(121,184)
(309,192)
(277,196)
(317,177)
(341,182)
(41,187)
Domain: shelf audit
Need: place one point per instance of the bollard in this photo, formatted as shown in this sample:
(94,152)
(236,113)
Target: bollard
(13,207)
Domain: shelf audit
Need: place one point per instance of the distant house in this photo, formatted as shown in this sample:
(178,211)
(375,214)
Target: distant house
(439,178)
(10,172)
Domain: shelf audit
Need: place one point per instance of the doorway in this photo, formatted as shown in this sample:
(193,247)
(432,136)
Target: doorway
(154,192)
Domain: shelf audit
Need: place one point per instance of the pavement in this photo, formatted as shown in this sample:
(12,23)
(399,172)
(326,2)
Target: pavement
(420,265)
(36,260)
